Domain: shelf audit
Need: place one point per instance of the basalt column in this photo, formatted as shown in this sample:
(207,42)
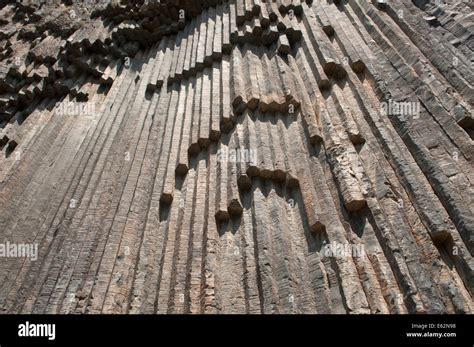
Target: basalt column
(236,156)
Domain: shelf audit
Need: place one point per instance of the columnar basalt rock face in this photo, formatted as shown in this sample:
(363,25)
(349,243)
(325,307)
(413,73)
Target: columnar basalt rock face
(242,156)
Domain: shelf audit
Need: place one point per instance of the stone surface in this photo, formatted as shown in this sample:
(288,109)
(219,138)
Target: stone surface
(242,156)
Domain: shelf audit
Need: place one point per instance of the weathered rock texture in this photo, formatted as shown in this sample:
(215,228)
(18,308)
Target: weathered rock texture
(113,123)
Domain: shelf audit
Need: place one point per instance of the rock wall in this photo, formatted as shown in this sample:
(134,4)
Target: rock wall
(241,156)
